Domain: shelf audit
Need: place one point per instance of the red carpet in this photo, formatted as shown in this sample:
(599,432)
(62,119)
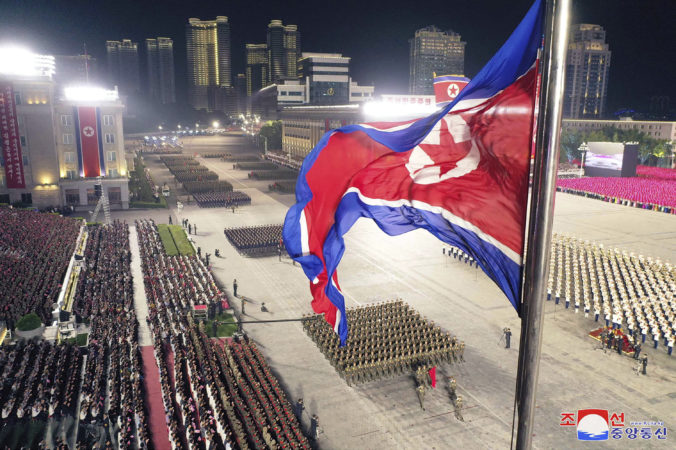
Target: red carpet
(151,379)
(626,346)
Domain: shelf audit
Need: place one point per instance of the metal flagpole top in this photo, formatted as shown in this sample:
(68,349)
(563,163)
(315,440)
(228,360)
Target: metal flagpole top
(541,213)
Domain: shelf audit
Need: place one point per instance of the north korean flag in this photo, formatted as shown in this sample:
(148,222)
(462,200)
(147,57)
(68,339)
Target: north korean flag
(461,174)
(448,87)
(89,143)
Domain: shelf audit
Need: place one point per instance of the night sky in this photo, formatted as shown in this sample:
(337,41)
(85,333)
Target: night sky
(641,33)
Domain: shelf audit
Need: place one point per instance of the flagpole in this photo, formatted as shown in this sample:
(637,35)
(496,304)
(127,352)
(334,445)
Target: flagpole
(541,214)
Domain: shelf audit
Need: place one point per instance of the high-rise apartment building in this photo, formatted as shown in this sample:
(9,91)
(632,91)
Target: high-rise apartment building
(160,59)
(257,74)
(434,51)
(283,51)
(276,51)
(587,67)
(292,50)
(123,66)
(209,61)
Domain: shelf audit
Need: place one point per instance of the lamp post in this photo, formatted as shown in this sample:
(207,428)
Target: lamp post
(583,148)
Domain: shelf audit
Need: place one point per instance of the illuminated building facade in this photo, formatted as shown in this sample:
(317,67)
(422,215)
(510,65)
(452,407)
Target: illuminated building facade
(587,67)
(209,62)
(48,156)
(256,67)
(434,51)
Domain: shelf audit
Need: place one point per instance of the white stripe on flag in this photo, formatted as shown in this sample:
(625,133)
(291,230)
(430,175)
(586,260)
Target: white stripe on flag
(304,242)
(511,254)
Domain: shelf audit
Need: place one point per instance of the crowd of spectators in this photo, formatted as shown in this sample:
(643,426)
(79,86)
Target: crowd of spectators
(222,199)
(112,406)
(653,189)
(384,340)
(35,250)
(630,292)
(214,395)
(256,241)
(38,380)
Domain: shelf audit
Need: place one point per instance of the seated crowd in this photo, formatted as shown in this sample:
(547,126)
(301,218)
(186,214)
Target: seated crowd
(112,399)
(35,250)
(255,241)
(634,293)
(39,380)
(384,340)
(214,395)
(222,199)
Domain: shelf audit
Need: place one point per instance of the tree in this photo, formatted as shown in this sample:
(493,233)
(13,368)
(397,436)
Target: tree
(272,131)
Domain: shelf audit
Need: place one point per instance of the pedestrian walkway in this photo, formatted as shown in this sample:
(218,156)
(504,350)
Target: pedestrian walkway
(151,380)
(140,301)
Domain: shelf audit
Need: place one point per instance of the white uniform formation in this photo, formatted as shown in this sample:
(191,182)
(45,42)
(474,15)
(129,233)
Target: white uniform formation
(635,293)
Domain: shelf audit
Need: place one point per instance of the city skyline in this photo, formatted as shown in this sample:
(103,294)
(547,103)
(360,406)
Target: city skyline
(376,39)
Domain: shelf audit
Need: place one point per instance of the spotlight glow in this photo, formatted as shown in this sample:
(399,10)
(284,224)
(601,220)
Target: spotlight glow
(90,94)
(389,110)
(21,62)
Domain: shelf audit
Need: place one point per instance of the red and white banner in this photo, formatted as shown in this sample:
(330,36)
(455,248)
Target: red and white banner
(10,138)
(447,87)
(89,141)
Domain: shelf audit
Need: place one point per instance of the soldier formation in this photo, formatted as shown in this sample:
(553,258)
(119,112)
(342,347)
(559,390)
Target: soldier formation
(256,241)
(385,340)
(196,178)
(222,199)
(629,292)
(458,254)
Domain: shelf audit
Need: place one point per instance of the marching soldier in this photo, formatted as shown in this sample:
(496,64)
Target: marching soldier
(421,395)
(458,408)
(452,384)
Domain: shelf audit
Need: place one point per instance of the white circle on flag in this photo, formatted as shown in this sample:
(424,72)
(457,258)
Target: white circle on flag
(453,90)
(88,131)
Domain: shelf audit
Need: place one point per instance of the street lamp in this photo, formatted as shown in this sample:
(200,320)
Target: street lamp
(583,148)
(159,127)
(215,124)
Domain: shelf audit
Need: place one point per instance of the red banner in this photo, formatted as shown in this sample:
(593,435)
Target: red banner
(89,141)
(11,141)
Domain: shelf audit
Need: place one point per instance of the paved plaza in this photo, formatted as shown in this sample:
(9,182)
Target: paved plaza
(376,267)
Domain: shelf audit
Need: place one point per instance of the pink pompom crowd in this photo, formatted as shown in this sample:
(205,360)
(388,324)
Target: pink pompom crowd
(653,189)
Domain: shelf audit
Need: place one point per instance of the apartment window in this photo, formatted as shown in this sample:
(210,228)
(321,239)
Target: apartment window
(110,138)
(27,198)
(72,197)
(25,160)
(23,141)
(112,173)
(68,139)
(17,98)
(112,156)
(69,157)
(71,174)
(108,119)
(66,120)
